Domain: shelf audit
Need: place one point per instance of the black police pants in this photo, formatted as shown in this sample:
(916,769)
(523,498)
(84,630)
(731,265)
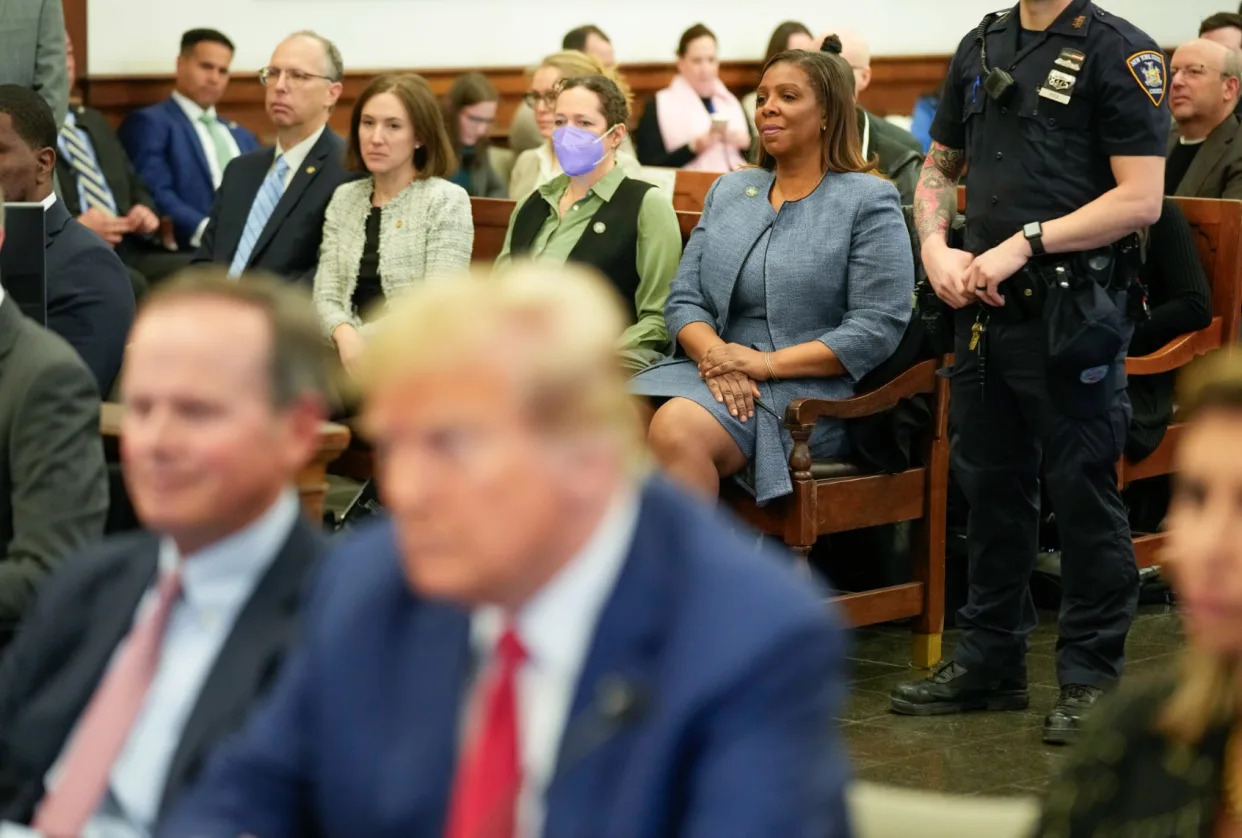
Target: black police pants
(1004,431)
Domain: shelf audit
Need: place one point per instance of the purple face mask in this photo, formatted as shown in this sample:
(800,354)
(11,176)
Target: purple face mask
(577,149)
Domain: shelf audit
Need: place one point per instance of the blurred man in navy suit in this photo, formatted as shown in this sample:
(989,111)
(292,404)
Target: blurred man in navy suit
(181,146)
(544,640)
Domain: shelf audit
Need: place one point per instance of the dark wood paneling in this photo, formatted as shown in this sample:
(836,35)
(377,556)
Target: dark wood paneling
(897,82)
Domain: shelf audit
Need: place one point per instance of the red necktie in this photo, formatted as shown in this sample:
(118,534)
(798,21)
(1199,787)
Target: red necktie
(489,776)
(106,723)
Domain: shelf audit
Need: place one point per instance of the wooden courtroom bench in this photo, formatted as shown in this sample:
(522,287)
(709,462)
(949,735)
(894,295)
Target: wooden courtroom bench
(836,496)
(1217,227)
(312,486)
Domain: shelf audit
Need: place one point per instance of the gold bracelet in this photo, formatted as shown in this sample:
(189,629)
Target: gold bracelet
(767,362)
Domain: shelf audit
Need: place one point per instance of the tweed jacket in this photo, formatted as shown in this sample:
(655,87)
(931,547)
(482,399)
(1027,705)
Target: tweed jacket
(839,270)
(1217,169)
(427,229)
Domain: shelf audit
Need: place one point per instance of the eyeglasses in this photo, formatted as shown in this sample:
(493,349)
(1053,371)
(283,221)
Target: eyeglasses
(481,121)
(1194,71)
(533,98)
(296,78)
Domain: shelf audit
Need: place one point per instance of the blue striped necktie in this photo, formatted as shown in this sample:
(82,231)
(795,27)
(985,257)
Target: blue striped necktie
(94,189)
(260,211)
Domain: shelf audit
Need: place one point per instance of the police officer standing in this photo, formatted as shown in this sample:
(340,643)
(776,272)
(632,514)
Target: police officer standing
(1057,109)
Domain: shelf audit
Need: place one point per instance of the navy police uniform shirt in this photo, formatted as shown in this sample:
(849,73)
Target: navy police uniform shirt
(1090,87)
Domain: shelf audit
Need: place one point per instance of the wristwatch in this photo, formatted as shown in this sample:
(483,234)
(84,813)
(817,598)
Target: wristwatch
(1034,233)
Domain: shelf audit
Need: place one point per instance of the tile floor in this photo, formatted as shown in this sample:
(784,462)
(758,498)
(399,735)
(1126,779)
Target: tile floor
(976,753)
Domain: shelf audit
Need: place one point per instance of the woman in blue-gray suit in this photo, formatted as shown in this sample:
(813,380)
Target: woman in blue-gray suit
(796,282)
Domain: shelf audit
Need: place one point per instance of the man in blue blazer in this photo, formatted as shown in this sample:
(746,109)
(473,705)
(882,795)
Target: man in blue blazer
(268,213)
(542,641)
(90,301)
(181,146)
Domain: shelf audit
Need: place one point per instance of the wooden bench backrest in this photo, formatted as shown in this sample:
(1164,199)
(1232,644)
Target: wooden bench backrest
(1217,226)
(491,222)
(690,189)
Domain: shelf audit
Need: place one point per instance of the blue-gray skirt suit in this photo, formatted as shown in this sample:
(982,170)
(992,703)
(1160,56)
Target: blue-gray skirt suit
(835,266)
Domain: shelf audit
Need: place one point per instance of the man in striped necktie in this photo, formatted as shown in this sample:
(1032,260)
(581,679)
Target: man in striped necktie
(104,192)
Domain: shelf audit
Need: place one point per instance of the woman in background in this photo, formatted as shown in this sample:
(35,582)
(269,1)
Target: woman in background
(469,113)
(595,215)
(1164,756)
(695,122)
(789,35)
(536,166)
(402,222)
(771,301)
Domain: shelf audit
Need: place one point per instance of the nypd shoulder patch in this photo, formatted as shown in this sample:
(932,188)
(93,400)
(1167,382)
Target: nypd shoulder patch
(1148,70)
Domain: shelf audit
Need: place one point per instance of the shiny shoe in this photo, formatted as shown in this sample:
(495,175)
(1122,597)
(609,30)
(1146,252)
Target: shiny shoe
(952,689)
(1062,725)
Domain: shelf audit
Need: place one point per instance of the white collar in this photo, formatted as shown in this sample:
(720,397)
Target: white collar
(294,157)
(213,575)
(48,201)
(1184,141)
(558,623)
(191,108)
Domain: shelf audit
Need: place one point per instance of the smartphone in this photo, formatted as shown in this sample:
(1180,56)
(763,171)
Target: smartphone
(720,123)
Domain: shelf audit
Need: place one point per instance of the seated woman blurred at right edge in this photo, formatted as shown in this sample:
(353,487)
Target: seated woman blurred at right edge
(1164,757)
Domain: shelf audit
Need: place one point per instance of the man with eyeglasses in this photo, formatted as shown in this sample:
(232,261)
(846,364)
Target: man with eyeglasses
(268,212)
(181,146)
(1205,155)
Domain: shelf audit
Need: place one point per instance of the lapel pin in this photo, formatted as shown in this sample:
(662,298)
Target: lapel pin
(751,192)
(310,170)
(399,222)
(599,227)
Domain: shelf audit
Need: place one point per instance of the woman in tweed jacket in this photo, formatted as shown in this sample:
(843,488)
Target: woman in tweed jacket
(405,222)
(797,281)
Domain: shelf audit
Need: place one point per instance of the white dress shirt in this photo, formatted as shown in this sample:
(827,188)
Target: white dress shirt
(556,626)
(296,156)
(194,113)
(216,583)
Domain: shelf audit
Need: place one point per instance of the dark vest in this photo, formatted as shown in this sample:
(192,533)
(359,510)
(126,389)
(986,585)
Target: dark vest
(613,252)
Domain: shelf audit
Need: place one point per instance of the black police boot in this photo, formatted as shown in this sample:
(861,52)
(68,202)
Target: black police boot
(1062,725)
(952,689)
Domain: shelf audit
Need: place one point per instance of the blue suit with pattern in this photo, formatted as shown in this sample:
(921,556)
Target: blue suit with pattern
(164,147)
(733,665)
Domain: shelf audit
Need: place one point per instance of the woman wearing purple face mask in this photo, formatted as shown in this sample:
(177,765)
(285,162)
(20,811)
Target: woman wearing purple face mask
(594,214)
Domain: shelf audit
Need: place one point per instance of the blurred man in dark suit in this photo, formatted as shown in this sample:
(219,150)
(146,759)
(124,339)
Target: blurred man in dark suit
(269,211)
(149,648)
(543,640)
(103,191)
(181,146)
(53,485)
(90,301)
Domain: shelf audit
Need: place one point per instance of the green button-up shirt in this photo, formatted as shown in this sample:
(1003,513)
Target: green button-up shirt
(659,252)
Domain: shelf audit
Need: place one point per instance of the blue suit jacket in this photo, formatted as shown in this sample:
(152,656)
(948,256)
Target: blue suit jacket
(733,664)
(163,145)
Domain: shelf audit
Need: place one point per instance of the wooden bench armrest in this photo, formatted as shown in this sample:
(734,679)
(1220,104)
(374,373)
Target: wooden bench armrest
(1178,352)
(920,378)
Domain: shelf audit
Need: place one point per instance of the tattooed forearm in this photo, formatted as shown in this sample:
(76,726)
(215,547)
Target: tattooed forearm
(935,198)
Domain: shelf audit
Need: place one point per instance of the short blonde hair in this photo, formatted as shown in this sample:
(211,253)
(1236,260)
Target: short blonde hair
(556,327)
(572,64)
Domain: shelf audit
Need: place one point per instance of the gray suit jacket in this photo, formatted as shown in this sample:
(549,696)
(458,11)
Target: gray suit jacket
(1217,169)
(53,482)
(33,34)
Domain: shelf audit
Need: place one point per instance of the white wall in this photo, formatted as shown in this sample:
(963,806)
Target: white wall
(141,36)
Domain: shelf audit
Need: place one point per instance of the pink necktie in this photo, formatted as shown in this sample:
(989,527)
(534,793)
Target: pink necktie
(106,723)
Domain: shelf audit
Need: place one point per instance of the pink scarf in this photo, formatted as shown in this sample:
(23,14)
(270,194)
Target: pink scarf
(683,119)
